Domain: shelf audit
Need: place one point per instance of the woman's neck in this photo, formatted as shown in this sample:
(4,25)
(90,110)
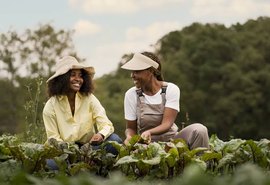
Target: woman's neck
(152,88)
(71,100)
(71,95)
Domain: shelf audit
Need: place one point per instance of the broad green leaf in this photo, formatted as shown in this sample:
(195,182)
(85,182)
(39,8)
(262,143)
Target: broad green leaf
(126,160)
(232,145)
(155,149)
(215,143)
(210,155)
(199,162)
(228,159)
(152,161)
(172,157)
(198,150)
(257,154)
(143,168)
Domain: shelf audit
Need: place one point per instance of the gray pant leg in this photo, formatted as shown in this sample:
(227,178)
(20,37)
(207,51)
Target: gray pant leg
(196,135)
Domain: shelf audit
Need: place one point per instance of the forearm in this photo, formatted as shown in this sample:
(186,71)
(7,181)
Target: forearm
(162,128)
(131,128)
(104,126)
(106,131)
(129,132)
(169,117)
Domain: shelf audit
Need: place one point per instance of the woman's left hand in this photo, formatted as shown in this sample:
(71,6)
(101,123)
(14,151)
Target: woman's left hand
(146,136)
(96,139)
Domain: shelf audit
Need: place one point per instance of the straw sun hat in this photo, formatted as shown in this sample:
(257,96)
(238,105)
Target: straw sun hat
(139,62)
(67,63)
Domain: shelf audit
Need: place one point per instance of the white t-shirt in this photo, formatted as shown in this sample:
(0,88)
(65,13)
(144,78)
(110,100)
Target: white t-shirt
(130,101)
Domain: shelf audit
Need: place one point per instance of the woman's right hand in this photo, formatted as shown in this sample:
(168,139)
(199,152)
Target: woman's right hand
(96,139)
(126,142)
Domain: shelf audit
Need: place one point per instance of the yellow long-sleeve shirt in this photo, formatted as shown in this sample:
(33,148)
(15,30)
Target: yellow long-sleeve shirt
(61,125)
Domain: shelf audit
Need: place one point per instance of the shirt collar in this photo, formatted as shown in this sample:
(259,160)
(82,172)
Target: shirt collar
(61,97)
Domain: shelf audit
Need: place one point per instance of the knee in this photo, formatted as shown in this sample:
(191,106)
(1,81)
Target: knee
(200,129)
(114,137)
(51,164)
(109,147)
(201,136)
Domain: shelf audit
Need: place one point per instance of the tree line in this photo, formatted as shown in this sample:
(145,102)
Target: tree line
(223,74)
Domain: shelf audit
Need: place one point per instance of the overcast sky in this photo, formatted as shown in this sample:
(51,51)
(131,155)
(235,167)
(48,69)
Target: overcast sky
(107,29)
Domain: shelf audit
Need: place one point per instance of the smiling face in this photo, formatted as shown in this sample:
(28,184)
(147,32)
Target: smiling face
(141,77)
(75,80)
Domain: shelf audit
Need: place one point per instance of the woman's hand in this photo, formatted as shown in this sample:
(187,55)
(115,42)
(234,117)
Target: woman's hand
(130,131)
(126,142)
(146,136)
(96,139)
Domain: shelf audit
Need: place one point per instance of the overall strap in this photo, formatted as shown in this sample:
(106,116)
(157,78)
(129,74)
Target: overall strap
(140,95)
(163,91)
(139,92)
(140,103)
(164,87)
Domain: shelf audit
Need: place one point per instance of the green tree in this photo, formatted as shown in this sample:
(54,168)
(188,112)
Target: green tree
(220,72)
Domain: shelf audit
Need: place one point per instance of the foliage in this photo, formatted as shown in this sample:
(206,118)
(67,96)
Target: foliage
(223,73)
(162,160)
(84,158)
(10,104)
(232,162)
(34,51)
(224,78)
(246,174)
(34,131)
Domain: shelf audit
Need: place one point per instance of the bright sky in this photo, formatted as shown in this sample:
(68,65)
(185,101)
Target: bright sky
(107,29)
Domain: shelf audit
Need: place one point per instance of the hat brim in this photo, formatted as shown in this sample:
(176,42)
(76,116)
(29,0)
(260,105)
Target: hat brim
(89,69)
(139,62)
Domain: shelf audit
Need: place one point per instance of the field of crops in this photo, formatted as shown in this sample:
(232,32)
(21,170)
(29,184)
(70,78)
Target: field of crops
(234,162)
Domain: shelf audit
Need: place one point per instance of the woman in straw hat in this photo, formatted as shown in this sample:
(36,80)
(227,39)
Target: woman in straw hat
(72,112)
(151,106)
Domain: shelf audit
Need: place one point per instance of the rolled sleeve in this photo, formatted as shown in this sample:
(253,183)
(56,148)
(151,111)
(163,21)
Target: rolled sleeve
(104,125)
(50,122)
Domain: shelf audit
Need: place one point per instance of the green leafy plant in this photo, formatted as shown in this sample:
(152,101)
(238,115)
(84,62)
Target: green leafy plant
(157,159)
(34,129)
